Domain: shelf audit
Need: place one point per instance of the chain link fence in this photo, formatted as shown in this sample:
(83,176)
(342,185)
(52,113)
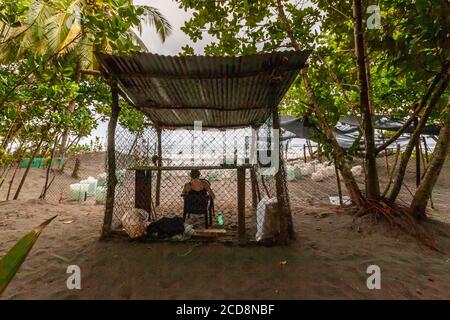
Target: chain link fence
(311,183)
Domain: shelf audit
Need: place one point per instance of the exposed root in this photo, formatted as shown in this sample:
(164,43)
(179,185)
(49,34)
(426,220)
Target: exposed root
(400,218)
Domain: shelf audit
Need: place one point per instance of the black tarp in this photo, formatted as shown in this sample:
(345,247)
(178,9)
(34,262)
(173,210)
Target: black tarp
(389,124)
(345,131)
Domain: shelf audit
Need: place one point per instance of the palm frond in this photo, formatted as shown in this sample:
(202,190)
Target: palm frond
(153,17)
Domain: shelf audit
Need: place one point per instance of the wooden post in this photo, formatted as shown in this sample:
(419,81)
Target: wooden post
(286,224)
(304,152)
(143,190)
(427,161)
(158,173)
(253,178)
(416,122)
(241,201)
(338,179)
(111,160)
(255,189)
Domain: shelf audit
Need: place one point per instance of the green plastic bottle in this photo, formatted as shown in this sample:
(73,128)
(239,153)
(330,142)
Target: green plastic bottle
(220,218)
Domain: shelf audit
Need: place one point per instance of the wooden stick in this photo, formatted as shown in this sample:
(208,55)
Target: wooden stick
(338,179)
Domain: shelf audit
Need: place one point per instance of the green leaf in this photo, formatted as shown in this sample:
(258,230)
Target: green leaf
(11,262)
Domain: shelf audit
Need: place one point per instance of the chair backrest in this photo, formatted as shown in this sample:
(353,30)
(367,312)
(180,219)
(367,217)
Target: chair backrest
(196,202)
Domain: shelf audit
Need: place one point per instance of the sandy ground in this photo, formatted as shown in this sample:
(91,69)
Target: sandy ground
(328,260)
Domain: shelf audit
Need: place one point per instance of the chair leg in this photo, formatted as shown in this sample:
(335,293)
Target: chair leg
(210,218)
(206,220)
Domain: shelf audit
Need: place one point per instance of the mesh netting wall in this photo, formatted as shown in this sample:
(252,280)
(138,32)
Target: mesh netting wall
(208,149)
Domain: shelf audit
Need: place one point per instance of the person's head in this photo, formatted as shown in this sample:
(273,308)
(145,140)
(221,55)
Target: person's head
(195,174)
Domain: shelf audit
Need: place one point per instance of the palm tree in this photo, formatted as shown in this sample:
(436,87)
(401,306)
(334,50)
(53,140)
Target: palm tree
(57,28)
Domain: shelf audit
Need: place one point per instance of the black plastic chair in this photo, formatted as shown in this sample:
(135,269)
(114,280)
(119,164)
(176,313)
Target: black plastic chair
(199,202)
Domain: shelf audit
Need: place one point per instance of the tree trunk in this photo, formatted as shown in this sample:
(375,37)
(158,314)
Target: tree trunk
(76,168)
(372,183)
(47,173)
(423,192)
(111,149)
(414,137)
(25,174)
(339,154)
(12,179)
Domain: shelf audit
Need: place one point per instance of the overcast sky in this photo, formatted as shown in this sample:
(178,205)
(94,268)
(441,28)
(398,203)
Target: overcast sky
(176,17)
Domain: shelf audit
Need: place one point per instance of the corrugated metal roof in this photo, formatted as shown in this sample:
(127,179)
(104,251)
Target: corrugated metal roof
(175,91)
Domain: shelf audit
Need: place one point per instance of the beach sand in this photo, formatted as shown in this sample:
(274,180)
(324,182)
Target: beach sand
(328,260)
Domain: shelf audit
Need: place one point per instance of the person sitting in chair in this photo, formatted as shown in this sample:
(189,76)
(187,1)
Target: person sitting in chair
(197,184)
(198,198)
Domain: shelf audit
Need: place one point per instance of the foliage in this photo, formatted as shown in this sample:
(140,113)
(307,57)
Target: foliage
(405,52)
(11,262)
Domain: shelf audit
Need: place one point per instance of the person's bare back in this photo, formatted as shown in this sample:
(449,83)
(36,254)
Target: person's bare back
(196,184)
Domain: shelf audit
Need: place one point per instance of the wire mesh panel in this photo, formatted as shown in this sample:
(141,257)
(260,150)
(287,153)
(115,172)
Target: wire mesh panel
(153,169)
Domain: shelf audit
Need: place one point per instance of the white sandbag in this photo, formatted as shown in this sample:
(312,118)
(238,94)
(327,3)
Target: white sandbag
(100,195)
(334,200)
(135,222)
(84,189)
(101,179)
(329,171)
(290,173)
(318,175)
(260,216)
(92,185)
(306,169)
(357,170)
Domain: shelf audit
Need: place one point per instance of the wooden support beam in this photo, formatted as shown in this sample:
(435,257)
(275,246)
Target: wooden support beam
(159,162)
(91,72)
(111,160)
(241,201)
(192,76)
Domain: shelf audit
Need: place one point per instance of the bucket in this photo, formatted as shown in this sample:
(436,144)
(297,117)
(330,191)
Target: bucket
(75,191)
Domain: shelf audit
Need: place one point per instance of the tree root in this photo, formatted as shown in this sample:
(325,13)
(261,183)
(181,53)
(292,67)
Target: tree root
(398,217)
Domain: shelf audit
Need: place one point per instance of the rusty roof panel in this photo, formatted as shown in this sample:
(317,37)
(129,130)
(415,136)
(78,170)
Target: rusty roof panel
(175,91)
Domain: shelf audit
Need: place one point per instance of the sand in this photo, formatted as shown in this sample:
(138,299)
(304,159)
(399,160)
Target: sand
(328,261)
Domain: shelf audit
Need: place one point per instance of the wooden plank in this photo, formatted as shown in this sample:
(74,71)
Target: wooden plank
(143,190)
(241,201)
(209,233)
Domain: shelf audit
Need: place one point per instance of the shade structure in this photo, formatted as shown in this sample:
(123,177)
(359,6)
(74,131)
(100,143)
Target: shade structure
(222,92)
